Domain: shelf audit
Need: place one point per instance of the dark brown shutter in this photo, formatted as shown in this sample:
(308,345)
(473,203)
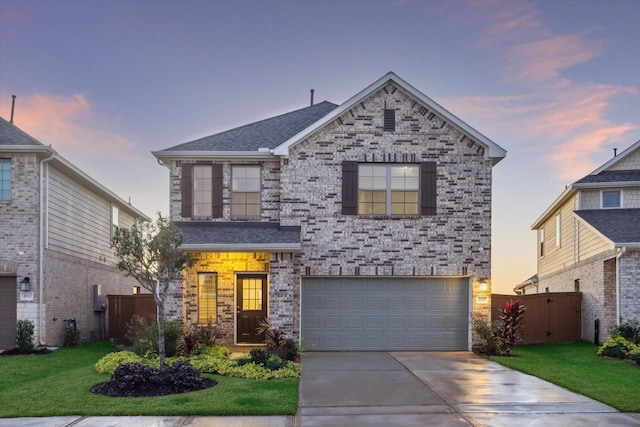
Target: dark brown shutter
(428,188)
(349,188)
(187,190)
(216,191)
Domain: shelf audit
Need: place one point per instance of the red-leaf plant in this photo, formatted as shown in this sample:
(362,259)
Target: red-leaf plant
(511,316)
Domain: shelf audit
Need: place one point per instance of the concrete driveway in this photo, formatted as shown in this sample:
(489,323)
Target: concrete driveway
(437,389)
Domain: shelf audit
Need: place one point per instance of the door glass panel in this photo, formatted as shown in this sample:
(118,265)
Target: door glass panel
(252,294)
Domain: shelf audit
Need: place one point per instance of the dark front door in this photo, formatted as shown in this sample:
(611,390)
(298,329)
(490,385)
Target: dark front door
(252,307)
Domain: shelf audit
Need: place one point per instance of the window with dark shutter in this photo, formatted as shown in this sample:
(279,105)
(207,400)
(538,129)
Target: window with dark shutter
(389,120)
(187,190)
(428,177)
(349,188)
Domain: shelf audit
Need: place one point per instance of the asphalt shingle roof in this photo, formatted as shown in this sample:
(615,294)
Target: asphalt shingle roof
(618,225)
(268,133)
(241,233)
(11,135)
(611,176)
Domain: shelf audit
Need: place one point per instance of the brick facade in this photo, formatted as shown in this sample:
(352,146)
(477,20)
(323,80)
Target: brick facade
(630,285)
(305,189)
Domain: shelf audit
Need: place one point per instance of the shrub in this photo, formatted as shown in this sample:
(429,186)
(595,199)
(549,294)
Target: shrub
(138,334)
(172,334)
(71,333)
(199,338)
(491,343)
(616,346)
(24,336)
(286,348)
(511,316)
(634,355)
(629,330)
(109,363)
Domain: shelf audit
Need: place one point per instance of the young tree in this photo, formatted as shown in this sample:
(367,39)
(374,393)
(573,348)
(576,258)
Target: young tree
(150,253)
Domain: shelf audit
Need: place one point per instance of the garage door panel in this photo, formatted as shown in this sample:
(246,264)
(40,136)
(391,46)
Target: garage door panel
(385,313)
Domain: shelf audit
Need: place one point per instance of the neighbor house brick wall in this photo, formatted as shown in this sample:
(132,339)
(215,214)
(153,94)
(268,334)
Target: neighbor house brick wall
(598,301)
(630,285)
(19,229)
(68,289)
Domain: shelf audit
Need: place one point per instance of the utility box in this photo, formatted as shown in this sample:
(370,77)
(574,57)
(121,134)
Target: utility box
(99,301)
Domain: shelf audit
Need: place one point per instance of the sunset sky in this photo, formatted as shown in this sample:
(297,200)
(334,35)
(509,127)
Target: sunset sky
(555,83)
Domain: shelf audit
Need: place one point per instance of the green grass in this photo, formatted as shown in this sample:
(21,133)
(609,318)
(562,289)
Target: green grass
(59,383)
(576,367)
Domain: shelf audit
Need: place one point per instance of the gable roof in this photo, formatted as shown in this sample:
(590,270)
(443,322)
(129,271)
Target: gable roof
(256,138)
(492,150)
(238,236)
(599,178)
(620,226)
(15,140)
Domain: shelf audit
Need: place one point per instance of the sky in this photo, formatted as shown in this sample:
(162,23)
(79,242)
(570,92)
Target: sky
(555,83)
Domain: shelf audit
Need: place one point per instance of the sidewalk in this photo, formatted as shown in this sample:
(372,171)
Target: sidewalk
(199,421)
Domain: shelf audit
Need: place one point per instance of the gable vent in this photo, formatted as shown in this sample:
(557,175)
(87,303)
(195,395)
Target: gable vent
(389,120)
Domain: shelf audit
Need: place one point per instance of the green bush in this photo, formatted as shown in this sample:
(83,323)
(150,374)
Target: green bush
(172,334)
(634,355)
(617,346)
(629,330)
(24,336)
(109,363)
(491,343)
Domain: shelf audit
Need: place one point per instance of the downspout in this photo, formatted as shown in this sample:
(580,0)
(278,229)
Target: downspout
(41,245)
(622,251)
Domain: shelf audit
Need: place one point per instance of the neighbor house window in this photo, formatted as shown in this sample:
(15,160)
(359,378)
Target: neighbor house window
(385,189)
(114,219)
(5,179)
(388,189)
(541,242)
(201,190)
(558,227)
(207,297)
(245,191)
(576,285)
(611,199)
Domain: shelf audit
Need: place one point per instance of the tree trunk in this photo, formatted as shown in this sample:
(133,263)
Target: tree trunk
(160,315)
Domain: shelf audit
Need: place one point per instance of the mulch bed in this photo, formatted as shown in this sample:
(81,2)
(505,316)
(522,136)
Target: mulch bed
(16,352)
(114,389)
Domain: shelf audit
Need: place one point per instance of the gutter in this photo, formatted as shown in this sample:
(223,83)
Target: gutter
(620,254)
(244,247)
(41,243)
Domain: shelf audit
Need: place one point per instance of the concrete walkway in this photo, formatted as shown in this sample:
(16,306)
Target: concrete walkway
(402,389)
(440,389)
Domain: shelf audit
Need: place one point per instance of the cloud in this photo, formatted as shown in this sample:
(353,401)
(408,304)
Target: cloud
(544,59)
(69,124)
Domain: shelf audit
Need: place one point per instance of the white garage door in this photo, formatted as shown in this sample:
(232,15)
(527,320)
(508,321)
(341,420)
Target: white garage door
(385,314)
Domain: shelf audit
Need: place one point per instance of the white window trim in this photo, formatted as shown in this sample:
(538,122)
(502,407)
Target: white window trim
(259,192)
(389,190)
(611,207)
(558,229)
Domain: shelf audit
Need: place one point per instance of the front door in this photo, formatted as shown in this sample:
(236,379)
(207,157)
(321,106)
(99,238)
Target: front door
(252,307)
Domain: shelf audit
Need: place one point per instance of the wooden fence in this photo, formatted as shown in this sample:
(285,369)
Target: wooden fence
(121,308)
(549,317)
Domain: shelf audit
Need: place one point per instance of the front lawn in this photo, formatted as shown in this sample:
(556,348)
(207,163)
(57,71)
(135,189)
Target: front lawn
(576,367)
(58,384)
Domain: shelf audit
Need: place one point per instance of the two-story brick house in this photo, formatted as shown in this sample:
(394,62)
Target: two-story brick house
(365,225)
(55,232)
(589,242)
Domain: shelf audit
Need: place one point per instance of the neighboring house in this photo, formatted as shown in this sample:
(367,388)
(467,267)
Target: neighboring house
(529,286)
(55,230)
(360,226)
(589,242)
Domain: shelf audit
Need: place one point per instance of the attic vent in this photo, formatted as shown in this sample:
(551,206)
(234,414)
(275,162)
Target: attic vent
(389,120)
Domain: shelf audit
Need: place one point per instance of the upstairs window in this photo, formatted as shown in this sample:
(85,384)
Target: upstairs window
(558,230)
(611,199)
(245,191)
(5,179)
(541,237)
(388,189)
(201,190)
(389,124)
(115,213)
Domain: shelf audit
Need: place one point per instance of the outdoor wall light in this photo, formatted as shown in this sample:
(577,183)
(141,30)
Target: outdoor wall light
(136,290)
(484,285)
(24,284)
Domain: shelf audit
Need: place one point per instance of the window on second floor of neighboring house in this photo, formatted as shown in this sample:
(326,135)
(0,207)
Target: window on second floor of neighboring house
(5,179)
(115,213)
(558,230)
(245,191)
(611,199)
(541,238)
(388,189)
